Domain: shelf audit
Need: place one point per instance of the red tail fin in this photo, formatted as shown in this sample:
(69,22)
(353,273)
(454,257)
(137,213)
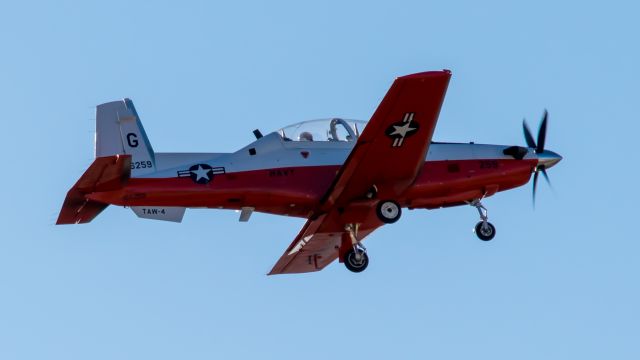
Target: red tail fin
(106,173)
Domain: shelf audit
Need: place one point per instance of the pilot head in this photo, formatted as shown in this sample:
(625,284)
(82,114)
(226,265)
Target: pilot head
(305,136)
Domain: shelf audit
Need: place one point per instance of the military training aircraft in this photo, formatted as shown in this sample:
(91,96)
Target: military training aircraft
(346,177)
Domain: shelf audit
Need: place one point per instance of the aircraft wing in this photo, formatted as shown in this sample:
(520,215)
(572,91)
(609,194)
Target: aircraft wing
(393,146)
(387,156)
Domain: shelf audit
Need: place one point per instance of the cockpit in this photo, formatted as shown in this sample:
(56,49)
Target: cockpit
(334,129)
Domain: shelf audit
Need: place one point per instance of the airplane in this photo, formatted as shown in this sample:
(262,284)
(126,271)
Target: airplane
(346,177)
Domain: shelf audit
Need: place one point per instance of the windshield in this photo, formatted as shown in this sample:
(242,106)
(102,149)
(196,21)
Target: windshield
(335,129)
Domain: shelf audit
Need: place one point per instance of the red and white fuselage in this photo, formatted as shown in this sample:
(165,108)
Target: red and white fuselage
(290,177)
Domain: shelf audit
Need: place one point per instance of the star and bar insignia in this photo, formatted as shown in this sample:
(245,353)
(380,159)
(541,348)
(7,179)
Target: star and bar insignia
(201,173)
(402,129)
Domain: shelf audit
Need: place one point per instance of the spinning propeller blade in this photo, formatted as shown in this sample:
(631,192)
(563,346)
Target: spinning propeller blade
(535,185)
(542,133)
(527,135)
(544,172)
(544,158)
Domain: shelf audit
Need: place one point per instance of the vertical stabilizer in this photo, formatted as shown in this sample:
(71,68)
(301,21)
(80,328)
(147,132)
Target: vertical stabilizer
(120,131)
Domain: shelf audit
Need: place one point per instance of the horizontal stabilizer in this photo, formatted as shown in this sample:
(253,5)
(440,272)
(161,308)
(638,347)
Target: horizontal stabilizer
(105,174)
(174,214)
(78,210)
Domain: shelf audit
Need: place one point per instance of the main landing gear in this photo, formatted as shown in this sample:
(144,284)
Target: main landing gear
(355,259)
(484,229)
(388,211)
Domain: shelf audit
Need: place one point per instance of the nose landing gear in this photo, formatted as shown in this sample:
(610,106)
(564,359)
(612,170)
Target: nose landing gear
(484,229)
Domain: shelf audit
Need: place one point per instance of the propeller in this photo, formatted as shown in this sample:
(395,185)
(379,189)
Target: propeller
(539,149)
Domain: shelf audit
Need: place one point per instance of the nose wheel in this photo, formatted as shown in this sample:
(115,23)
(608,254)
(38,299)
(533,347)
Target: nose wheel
(484,229)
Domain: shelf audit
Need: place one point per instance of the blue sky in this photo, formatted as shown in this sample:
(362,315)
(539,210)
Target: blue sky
(558,282)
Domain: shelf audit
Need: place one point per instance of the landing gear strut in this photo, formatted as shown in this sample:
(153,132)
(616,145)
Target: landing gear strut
(355,259)
(484,229)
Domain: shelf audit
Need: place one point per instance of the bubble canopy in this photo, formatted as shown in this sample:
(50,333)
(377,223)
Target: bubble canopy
(333,129)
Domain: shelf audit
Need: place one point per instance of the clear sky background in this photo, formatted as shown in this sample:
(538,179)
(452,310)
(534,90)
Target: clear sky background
(560,282)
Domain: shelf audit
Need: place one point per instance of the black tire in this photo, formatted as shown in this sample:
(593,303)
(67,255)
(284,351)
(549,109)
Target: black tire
(351,263)
(485,233)
(388,211)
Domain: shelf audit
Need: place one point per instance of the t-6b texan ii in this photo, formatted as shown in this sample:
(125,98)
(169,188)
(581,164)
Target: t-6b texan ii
(346,177)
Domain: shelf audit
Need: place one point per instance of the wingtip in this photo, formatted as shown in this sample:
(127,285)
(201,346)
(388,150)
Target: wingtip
(427,74)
